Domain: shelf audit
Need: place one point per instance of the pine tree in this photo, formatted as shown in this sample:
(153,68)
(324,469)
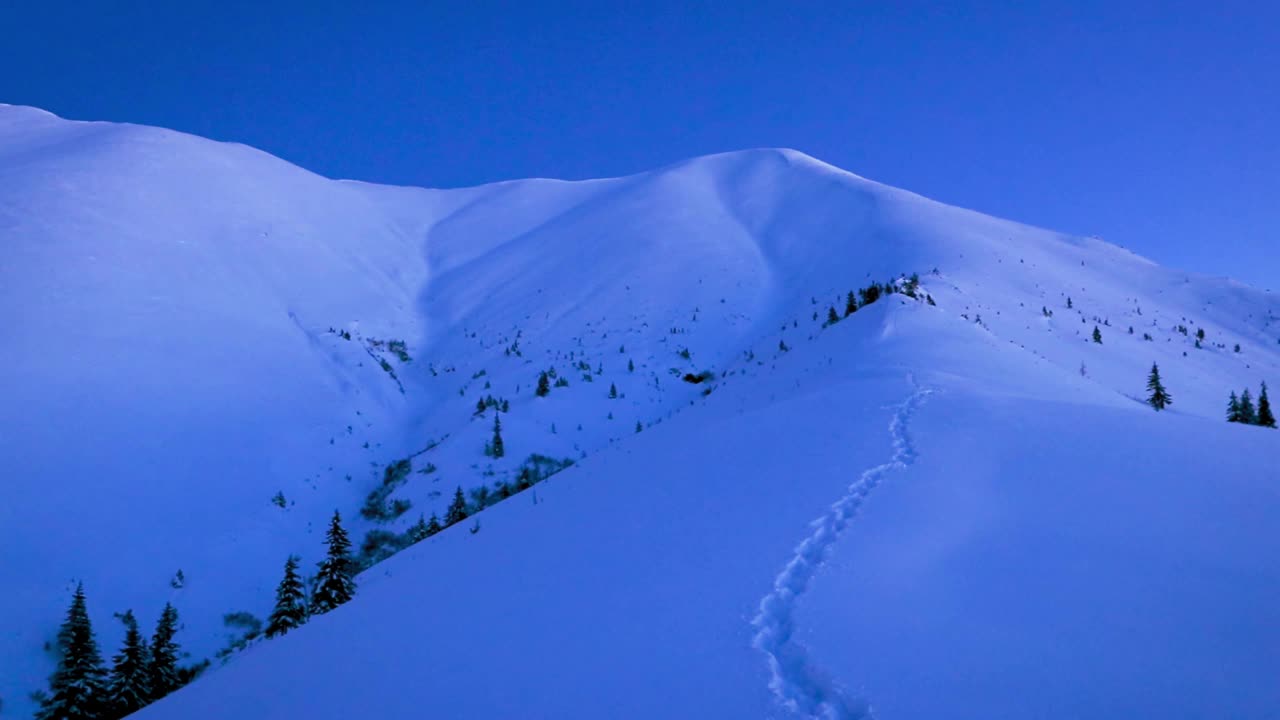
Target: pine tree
(129,687)
(631,365)
(1248,415)
(291,602)
(496,448)
(832,317)
(544,385)
(1233,408)
(850,304)
(418,530)
(77,689)
(163,669)
(433,525)
(613,391)
(1069,304)
(457,511)
(335,583)
(1159,398)
(1097,335)
(1265,416)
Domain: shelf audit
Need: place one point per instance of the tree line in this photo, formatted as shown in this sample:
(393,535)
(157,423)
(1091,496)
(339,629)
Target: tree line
(1240,409)
(82,688)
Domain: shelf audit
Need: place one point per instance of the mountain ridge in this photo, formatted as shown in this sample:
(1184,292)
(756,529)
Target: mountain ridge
(202,325)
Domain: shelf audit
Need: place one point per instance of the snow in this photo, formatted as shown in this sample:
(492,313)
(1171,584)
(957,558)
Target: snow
(800,687)
(170,367)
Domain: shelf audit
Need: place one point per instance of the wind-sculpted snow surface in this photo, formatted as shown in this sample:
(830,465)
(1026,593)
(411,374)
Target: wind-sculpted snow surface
(796,681)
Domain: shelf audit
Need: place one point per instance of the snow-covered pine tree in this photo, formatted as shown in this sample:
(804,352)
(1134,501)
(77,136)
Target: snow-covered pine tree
(335,582)
(1233,408)
(418,531)
(1097,335)
(129,687)
(544,385)
(1248,415)
(496,448)
(613,391)
(850,304)
(1159,397)
(291,602)
(1265,417)
(433,525)
(77,688)
(457,511)
(163,668)
(832,316)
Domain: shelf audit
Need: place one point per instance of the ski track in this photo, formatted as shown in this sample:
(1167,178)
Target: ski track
(800,686)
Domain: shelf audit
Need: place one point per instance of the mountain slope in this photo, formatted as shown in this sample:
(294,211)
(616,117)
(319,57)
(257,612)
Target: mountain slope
(635,586)
(202,326)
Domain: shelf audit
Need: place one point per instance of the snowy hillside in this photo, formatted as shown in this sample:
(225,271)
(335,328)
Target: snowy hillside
(214,349)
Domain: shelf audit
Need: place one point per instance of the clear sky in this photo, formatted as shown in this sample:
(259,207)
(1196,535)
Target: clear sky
(1154,125)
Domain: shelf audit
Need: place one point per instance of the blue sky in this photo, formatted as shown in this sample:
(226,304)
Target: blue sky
(1153,125)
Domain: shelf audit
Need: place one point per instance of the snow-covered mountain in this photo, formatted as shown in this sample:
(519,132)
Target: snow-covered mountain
(950,505)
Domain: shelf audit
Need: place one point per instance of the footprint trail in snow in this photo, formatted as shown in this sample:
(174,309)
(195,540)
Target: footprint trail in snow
(797,684)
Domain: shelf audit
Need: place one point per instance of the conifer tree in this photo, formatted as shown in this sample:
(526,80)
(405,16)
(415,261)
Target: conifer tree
(163,670)
(832,317)
(129,687)
(1097,335)
(1233,408)
(291,602)
(1159,397)
(77,689)
(418,531)
(457,511)
(1265,416)
(496,448)
(433,525)
(850,304)
(544,385)
(335,583)
(631,365)
(613,391)
(1248,415)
